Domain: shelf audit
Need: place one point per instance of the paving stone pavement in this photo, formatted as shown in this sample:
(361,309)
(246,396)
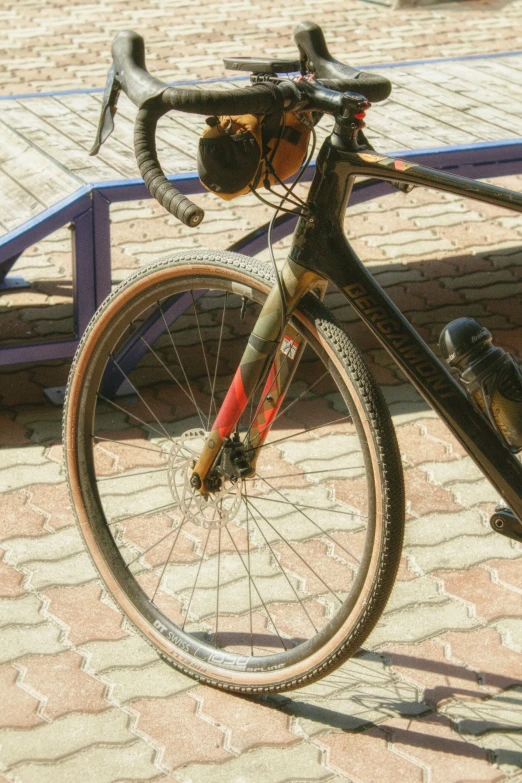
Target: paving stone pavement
(54,44)
(436,695)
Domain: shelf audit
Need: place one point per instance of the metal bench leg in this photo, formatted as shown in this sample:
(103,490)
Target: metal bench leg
(115,378)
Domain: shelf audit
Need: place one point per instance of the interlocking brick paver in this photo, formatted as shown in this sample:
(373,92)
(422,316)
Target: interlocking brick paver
(449,475)
(490,599)
(131,651)
(415,445)
(302,762)
(368,757)
(64,686)
(424,496)
(248,725)
(462,552)
(483,650)
(416,589)
(51,547)
(52,501)
(129,762)
(17,476)
(19,707)
(503,710)
(22,611)
(432,529)
(11,433)
(417,621)
(73,570)
(82,696)
(10,580)
(175,724)
(18,514)
(507,572)
(65,736)
(155,680)
(82,610)
(430,665)
(432,743)
(18,641)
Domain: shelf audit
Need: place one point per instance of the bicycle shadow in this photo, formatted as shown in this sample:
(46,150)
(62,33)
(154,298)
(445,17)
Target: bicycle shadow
(312,714)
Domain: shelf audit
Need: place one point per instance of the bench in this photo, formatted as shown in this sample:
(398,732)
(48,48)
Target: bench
(438,113)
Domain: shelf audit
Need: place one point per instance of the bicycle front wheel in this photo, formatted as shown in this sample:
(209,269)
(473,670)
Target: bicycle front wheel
(267,582)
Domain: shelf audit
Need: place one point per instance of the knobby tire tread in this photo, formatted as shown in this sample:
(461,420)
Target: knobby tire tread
(385,442)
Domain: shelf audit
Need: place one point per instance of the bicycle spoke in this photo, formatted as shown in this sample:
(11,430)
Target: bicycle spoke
(251,578)
(217,362)
(127,443)
(201,342)
(306,391)
(147,513)
(141,398)
(279,564)
(261,401)
(191,393)
(168,560)
(196,579)
(324,532)
(152,546)
(153,352)
(217,592)
(132,475)
(289,545)
(287,437)
(308,472)
(249,584)
(133,415)
(298,506)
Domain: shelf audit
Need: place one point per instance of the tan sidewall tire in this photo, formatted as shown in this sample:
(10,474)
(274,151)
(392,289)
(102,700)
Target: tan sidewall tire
(248,275)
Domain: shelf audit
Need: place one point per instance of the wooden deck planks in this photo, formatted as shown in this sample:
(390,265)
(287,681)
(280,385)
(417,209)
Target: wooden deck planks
(44,155)
(30,182)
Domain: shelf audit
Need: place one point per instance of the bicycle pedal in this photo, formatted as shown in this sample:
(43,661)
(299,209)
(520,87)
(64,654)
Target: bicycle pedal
(506,523)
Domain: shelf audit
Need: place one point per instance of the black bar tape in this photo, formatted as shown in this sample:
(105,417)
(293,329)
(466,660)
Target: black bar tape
(155,180)
(370,85)
(259,99)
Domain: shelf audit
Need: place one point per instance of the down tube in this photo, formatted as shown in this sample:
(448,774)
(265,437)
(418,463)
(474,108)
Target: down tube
(426,372)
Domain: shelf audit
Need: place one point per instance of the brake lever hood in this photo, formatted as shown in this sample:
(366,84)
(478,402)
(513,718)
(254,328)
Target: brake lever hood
(128,55)
(128,72)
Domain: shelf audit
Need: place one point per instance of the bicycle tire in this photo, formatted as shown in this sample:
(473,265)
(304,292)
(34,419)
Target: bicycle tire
(243,282)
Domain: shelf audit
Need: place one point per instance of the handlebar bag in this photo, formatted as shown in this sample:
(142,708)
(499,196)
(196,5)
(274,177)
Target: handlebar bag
(237,154)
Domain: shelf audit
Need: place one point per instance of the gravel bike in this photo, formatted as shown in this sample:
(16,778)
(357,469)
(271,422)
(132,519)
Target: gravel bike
(231,459)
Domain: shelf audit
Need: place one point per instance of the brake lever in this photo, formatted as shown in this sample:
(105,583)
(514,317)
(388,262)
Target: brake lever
(108,110)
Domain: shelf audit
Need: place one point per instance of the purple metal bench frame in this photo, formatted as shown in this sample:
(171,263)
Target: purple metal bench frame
(87,212)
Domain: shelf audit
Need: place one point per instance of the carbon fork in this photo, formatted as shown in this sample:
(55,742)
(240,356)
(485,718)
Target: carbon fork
(271,356)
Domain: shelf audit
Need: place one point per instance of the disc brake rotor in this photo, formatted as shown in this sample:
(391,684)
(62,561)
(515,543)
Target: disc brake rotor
(212,509)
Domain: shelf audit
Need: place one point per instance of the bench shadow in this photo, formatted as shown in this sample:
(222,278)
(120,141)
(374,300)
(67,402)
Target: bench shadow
(427,291)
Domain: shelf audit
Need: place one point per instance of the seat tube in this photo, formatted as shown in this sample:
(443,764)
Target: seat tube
(268,344)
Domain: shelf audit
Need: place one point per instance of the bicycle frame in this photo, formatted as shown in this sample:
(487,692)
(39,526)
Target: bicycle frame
(320,252)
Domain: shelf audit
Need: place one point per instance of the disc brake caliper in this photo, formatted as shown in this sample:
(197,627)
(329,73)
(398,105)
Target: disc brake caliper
(234,462)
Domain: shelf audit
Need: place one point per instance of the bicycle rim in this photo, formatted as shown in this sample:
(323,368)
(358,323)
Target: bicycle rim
(256,585)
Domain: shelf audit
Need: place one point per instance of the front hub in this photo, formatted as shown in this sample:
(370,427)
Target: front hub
(220,501)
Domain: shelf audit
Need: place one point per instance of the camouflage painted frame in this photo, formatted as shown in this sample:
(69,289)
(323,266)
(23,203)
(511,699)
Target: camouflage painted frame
(320,253)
